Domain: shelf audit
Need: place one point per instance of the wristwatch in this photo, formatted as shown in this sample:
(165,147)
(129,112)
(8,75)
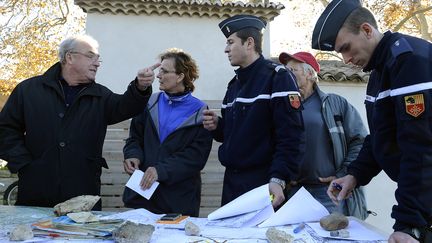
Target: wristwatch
(413,232)
(278,181)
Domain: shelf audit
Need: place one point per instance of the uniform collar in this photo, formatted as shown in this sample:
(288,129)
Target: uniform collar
(244,74)
(379,54)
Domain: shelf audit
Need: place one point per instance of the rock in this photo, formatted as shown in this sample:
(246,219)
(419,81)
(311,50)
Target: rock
(334,221)
(21,232)
(130,232)
(191,229)
(77,204)
(278,236)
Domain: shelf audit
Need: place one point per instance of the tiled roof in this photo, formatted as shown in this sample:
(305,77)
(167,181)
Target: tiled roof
(337,71)
(209,8)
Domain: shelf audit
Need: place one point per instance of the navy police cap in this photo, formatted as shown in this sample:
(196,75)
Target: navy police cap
(329,23)
(238,22)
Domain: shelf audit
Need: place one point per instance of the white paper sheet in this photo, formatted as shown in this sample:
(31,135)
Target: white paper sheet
(251,201)
(233,233)
(141,216)
(356,230)
(250,219)
(134,184)
(302,207)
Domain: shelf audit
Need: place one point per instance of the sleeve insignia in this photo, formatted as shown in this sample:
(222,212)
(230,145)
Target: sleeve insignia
(294,100)
(414,105)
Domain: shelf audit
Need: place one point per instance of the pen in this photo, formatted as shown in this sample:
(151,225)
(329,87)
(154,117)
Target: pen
(299,228)
(337,186)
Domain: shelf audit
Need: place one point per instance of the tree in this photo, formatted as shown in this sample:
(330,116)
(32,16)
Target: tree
(411,16)
(30,33)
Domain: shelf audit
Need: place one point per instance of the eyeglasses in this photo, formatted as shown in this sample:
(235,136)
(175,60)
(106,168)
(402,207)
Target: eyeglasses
(163,71)
(93,57)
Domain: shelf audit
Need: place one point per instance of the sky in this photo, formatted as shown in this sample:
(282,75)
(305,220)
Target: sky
(290,32)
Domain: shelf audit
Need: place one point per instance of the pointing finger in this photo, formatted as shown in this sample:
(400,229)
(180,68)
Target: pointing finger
(154,66)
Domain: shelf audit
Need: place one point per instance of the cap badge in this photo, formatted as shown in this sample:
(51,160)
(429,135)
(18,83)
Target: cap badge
(227,29)
(414,105)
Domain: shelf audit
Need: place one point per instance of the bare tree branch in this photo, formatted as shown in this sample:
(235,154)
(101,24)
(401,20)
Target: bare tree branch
(403,21)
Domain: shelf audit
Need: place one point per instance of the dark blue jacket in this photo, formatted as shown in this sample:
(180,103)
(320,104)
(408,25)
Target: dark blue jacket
(260,129)
(399,111)
(178,159)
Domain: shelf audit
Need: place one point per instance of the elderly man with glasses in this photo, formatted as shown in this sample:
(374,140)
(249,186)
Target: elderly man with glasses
(53,126)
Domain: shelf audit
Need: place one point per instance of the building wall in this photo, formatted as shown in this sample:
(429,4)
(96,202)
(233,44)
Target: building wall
(131,42)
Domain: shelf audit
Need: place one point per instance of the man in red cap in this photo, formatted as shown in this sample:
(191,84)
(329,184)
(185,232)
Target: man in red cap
(327,117)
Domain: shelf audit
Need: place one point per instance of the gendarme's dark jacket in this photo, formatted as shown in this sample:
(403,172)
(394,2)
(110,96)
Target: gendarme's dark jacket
(399,111)
(57,151)
(261,131)
(178,160)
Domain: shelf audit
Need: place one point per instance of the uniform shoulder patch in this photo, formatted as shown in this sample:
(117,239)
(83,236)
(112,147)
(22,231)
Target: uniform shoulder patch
(294,100)
(414,104)
(400,46)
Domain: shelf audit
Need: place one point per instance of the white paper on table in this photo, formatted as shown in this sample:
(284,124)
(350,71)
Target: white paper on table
(141,216)
(250,219)
(357,231)
(302,207)
(253,200)
(134,184)
(234,233)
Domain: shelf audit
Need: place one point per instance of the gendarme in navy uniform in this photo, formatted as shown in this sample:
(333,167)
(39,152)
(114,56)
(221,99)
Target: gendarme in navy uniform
(261,128)
(399,112)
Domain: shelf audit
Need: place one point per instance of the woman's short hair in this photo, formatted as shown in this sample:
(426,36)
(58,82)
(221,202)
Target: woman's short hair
(71,43)
(183,63)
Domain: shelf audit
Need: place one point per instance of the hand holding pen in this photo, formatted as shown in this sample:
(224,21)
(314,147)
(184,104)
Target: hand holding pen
(341,188)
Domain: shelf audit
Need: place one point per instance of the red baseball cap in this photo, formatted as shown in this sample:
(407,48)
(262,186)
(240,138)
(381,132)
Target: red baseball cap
(304,57)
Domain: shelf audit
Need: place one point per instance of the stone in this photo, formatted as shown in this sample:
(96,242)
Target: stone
(77,204)
(130,232)
(334,221)
(278,236)
(192,229)
(21,232)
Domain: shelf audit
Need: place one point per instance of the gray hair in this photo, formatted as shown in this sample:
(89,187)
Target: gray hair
(70,43)
(309,69)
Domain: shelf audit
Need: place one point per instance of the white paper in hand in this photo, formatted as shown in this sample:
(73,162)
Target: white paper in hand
(253,200)
(301,207)
(134,184)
